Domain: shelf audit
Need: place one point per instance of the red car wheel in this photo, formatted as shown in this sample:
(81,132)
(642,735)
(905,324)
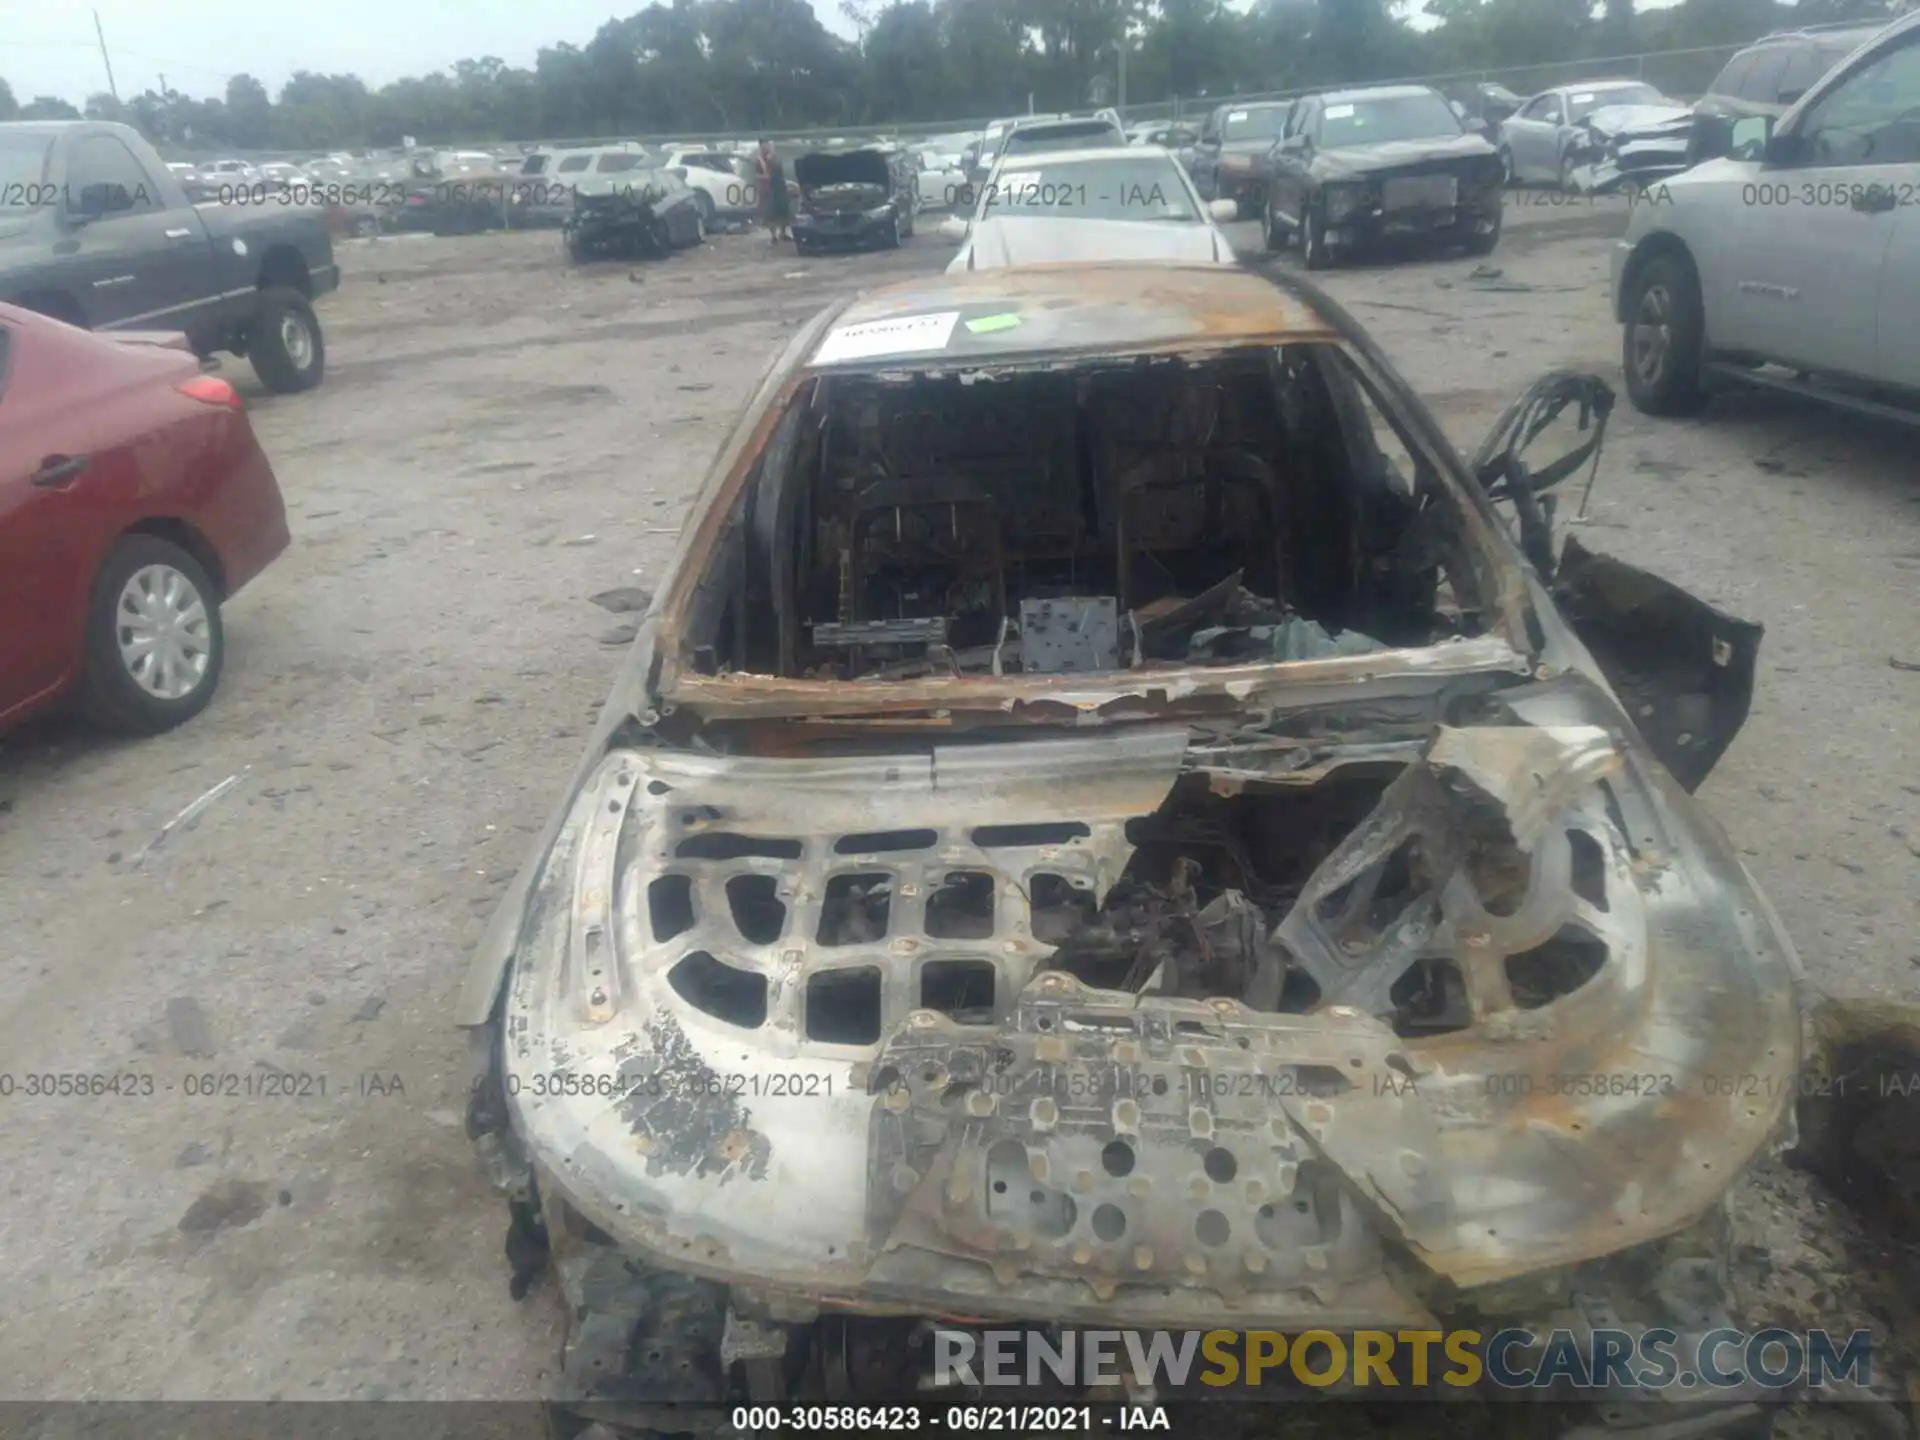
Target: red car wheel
(154,640)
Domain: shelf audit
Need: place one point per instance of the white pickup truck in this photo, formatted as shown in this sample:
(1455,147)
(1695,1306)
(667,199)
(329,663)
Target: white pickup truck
(1794,262)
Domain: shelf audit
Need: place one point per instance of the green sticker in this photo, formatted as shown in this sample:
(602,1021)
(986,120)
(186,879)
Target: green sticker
(987,324)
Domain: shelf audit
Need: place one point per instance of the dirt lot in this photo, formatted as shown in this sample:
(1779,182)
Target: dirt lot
(501,437)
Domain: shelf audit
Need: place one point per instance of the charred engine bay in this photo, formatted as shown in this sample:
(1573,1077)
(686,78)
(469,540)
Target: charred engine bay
(1210,880)
(1085,519)
(1242,896)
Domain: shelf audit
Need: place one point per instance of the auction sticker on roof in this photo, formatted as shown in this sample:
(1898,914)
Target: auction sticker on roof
(909,335)
(1339,112)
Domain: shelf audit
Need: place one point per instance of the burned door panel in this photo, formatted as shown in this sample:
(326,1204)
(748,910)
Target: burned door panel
(1682,669)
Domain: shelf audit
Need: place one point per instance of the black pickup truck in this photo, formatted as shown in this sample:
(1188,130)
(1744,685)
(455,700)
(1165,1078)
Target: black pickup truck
(96,231)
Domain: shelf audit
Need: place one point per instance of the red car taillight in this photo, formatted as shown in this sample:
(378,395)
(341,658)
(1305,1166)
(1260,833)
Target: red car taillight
(211,390)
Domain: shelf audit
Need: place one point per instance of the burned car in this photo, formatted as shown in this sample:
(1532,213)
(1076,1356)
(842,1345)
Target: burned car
(630,207)
(854,199)
(1103,824)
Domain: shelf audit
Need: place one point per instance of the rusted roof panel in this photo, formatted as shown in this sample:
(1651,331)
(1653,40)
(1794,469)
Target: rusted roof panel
(1001,315)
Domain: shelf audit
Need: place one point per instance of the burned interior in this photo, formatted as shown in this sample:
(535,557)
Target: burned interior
(1125,514)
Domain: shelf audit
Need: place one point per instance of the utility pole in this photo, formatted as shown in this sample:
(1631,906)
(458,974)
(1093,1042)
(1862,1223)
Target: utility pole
(104,60)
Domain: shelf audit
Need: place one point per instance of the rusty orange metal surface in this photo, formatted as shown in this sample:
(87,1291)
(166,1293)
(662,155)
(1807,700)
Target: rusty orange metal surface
(1124,307)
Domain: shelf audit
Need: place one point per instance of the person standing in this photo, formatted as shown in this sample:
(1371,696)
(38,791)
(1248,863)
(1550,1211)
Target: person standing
(773,193)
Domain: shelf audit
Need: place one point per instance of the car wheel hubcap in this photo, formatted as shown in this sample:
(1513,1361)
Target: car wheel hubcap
(1652,334)
(296,341)
(164,632)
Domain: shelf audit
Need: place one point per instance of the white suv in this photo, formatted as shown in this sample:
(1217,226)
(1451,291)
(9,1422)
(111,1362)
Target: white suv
(725,186)
(1800,249)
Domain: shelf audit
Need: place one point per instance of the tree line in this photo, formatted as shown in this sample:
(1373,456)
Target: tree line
(692,66)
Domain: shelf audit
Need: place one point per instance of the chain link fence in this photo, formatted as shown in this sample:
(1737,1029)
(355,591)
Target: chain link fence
(1682,74)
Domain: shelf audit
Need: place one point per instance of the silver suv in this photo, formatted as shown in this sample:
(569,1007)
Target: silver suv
(1799,249)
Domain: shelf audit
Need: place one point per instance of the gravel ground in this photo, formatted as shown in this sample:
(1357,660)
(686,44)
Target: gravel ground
(500,437)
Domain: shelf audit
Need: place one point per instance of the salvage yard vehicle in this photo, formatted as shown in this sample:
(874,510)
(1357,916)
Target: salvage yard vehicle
(1767,77)
(724,186)
(1629,146)
(1180,140)
(1796,251)
(134,502)
(1356,168)
(1067,132)
(854,199)
(1134,203)
(1538,141)
(1102,825)
(1231,159)
(628,206)
(96,231)
(943,182)
(978,157)
(1486,104)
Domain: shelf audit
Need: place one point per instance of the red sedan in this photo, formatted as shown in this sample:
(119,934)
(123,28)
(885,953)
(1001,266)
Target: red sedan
(134,500)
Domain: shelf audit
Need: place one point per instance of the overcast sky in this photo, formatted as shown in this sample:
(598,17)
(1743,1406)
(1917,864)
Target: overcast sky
(47,47)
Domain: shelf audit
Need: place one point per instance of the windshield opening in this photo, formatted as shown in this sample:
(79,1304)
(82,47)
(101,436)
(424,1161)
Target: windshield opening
(1264,124)
(1147,188)
(932,528)
(1063,137)
(23,166)
(1379,122)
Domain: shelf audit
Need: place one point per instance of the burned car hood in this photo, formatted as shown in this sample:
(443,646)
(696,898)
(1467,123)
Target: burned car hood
(854,167)
(922,1003)
(1448,152)
(1038,240)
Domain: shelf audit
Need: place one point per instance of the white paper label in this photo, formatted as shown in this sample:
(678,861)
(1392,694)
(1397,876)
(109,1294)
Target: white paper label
(1019,180)
(1339,112)
(1235,115)
(1583,99)
(909,335)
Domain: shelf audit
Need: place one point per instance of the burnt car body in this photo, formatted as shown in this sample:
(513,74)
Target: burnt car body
(1040,715)
(1390,162)
(640,211)
(854,199)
